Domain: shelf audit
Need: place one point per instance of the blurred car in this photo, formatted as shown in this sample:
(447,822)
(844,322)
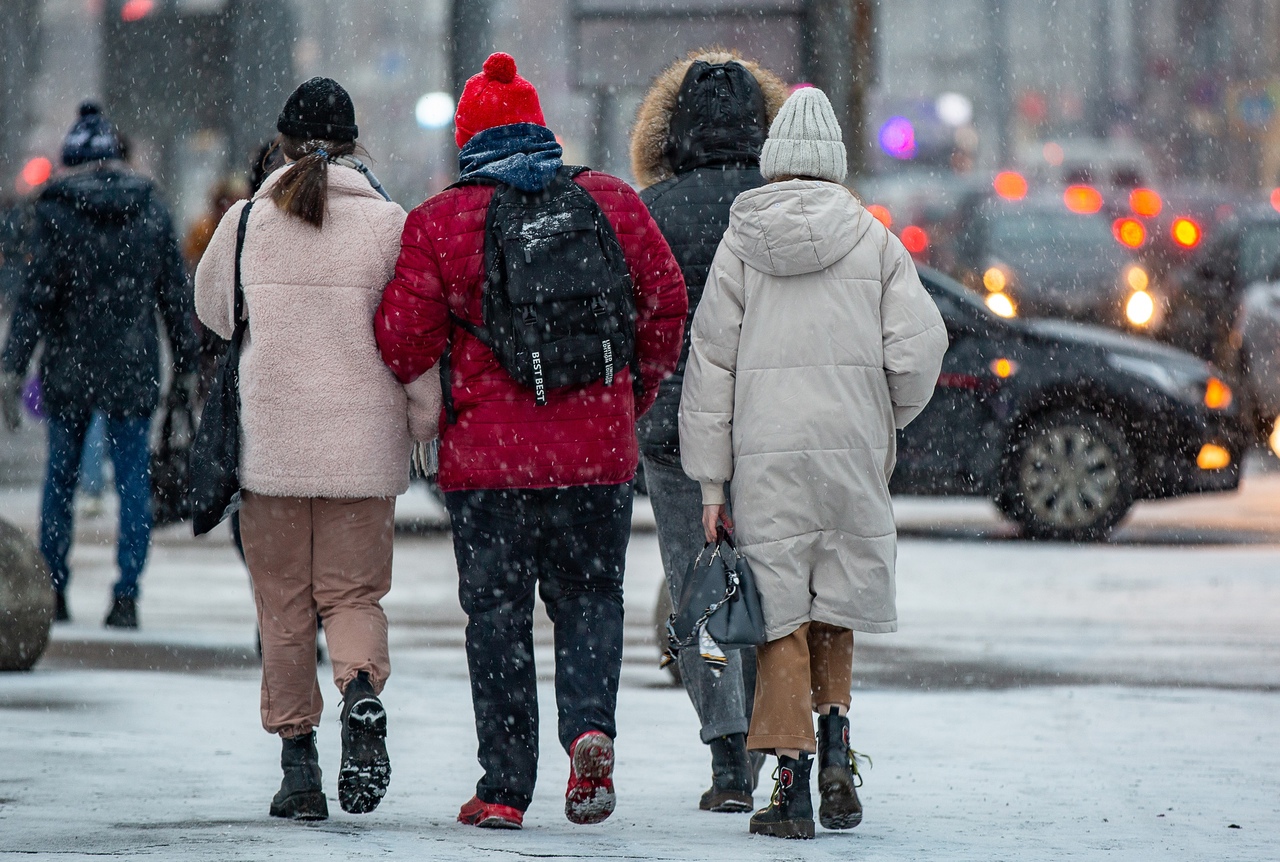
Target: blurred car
(1064,426)
(1245,250)
(1053,255)
(1257,332)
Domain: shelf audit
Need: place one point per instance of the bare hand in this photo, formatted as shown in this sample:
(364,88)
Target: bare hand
(714,516)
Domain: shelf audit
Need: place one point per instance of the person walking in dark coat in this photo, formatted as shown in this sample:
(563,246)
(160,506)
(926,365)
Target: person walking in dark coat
(105,258)
(696,146)
(537,482)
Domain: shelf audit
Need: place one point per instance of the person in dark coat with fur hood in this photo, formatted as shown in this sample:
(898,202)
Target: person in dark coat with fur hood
(696,146)
(105,259)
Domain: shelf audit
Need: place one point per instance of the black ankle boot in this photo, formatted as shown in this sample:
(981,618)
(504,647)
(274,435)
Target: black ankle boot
(123,614)
(366,769)
(301,795)
(731,776)
(838,775)
(790,811)
(60,612)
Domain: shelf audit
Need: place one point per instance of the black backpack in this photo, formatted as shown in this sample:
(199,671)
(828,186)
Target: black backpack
(558,304)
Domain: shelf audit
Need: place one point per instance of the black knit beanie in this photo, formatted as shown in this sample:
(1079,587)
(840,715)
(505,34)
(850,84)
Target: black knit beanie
(319,110)
(91,139)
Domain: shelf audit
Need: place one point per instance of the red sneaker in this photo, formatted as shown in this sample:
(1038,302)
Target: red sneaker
(488,815)
(589,797)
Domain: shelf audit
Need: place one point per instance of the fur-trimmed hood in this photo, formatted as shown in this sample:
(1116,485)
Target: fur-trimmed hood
(649,160)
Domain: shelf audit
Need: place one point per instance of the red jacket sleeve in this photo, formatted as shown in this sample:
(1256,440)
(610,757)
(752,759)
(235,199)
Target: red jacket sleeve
(662,302)
(412,322)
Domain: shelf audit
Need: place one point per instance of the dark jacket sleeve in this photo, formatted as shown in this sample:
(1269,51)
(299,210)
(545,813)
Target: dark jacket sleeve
(412,322)
(38,297)
(661,300)
(175,298)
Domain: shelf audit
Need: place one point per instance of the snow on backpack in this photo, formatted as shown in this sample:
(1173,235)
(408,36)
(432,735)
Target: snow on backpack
(558,304)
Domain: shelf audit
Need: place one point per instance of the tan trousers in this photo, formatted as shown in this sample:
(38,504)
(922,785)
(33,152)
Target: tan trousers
(811,666)
(309,557)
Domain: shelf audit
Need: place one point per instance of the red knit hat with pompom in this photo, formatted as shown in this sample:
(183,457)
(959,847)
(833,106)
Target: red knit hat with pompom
(495,97)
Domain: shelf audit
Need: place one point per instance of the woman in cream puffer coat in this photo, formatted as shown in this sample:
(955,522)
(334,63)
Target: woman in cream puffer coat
(813,342)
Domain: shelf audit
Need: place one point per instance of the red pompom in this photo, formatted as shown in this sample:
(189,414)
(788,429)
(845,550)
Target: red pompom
(501,67)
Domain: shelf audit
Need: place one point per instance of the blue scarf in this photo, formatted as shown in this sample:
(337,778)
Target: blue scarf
(524,155)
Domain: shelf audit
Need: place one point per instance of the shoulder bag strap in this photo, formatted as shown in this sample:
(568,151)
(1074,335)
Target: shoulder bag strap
(241,320)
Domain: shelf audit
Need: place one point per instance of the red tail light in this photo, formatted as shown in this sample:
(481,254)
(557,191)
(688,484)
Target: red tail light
(1082,199)
(1010,185)
(915,239)
(1186,232)
(1145,203)
(1129,232)
(881,214)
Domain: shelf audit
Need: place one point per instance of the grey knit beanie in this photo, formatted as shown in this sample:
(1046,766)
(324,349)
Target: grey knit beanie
(805,140)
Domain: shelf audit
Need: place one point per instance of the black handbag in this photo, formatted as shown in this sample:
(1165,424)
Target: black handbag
(170,462)
(720,591)
(215,453)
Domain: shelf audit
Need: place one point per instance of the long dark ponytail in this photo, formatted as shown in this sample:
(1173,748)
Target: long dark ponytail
(304,189)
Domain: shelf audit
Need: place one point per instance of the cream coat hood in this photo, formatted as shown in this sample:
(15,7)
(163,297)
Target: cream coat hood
(795,227)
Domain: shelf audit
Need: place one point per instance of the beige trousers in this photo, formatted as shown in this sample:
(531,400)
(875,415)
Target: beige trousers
(813,665)
(309,557)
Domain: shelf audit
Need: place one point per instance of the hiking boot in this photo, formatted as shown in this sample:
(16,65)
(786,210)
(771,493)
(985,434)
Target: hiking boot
(790,811)
(123,614)
(838,776)
(366,769)
(301,795)
(490,815)
(589,797)
(731,776)
(61,614)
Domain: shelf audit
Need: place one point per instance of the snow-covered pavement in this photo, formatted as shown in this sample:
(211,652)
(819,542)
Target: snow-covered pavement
(1041,702)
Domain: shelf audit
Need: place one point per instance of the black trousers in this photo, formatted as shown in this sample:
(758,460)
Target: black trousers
(572,544)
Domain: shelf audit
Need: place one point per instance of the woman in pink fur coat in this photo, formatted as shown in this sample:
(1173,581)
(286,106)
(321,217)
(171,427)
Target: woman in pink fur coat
(326,435)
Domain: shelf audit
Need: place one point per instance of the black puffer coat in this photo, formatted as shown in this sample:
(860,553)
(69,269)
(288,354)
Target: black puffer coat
(699,134)
(105,260)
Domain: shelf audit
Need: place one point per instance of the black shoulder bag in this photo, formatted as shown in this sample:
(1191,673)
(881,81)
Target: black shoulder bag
(719,593)
(215,454)
(170,470)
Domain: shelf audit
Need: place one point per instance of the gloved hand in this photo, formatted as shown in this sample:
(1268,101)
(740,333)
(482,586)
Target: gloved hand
(11,400)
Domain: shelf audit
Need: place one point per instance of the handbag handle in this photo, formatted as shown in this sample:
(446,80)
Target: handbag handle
(241,320)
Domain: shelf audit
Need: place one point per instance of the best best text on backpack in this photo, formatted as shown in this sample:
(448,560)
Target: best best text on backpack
(558,303)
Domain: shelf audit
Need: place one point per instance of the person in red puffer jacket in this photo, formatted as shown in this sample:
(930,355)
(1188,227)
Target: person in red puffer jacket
(539,494)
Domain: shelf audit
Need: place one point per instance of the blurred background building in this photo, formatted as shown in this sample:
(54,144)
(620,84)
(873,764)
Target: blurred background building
(1192,85)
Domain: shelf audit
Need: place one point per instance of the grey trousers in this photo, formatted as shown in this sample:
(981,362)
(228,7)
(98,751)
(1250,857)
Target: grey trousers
(723,705)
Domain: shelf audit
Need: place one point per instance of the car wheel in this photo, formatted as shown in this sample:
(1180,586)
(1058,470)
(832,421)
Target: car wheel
(1068,476)
(661,611)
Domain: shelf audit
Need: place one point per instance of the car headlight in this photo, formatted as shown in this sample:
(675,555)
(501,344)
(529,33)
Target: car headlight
(1185,384)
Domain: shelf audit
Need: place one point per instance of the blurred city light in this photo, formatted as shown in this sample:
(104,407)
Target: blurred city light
(1003,367)
(881,214)
(915,239)
(1136,277)
(37,171)
(1275,199)
(434,110)
(1274,439)
(1010,185)
(1084,200)
(1145,203)
(954,109)
(1140,308)
(995,280)
(1213,457)
(1186,232)
(136,10)
(1129,232)
(1053,153)
(1001,305)
(898,138)
(1217,395)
